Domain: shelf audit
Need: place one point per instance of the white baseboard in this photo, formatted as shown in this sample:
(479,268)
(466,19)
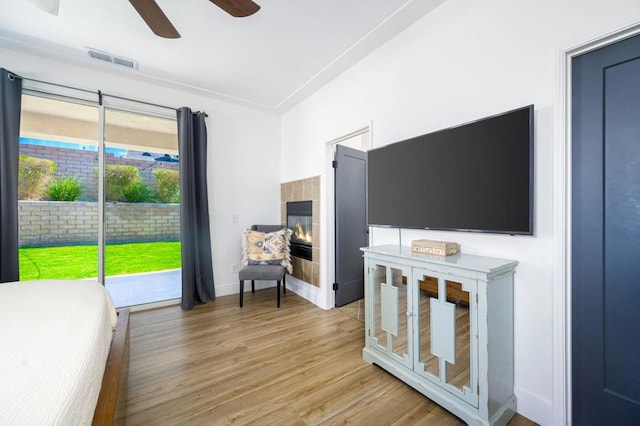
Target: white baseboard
(533,407)
(313,294)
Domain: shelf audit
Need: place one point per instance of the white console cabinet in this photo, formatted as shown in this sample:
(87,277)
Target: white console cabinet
(444,325)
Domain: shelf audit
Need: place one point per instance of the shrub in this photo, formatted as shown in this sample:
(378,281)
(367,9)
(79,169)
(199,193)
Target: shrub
(33,176)
(167,185)
(65,189)
(117,179)
(137,192)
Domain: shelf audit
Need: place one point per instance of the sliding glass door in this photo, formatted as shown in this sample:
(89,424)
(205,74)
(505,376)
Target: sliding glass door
(142,210)
(99,198)
(58,189)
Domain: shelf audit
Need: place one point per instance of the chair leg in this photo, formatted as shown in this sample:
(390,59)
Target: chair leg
(284,283)
(278,293)
(253,286)
(241,291)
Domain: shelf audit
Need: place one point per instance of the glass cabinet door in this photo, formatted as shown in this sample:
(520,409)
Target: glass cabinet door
(427,290)
(390,327)
(446,333)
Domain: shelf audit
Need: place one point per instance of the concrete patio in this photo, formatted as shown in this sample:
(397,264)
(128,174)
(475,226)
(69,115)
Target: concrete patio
(150,287)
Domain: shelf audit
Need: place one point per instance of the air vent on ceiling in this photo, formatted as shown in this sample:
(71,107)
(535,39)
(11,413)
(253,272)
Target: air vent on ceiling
(114,59)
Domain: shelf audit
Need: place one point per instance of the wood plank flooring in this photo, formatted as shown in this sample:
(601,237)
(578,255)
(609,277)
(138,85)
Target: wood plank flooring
(298,365)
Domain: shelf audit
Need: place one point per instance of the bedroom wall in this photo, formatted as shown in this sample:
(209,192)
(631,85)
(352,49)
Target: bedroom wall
(243,150)
(464,61)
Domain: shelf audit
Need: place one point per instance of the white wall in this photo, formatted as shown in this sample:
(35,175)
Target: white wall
(464,61)
(243,151)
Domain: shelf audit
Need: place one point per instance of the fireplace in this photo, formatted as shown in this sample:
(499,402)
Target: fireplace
(299,220)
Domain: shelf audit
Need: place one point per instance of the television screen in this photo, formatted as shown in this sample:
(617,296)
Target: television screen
(474,177)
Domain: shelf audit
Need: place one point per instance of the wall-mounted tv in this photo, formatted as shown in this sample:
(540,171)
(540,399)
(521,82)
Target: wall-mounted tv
(473,177)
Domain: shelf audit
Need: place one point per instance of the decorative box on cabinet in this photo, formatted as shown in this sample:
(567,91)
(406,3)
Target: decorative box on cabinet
(453,341)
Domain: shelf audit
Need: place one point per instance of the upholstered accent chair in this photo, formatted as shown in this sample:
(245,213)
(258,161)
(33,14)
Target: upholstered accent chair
(254,268)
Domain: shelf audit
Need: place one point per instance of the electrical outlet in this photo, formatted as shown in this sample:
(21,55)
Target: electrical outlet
(235,218)
(234,268)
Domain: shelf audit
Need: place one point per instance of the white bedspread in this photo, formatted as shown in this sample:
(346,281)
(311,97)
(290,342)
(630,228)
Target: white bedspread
(54,341)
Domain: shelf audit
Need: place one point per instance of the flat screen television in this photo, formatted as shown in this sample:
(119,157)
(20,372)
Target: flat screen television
(473,177)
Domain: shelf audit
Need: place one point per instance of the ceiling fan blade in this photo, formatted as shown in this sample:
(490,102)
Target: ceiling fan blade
(155,18)
(49,6)
(237,8)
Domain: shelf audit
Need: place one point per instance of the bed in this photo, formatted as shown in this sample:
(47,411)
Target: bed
(64,354)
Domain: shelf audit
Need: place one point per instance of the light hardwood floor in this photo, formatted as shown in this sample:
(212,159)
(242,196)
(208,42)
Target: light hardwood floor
(298,365)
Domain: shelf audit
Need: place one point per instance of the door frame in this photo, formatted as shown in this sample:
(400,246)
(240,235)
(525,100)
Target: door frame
(330,228)
(101,102)
(562,168)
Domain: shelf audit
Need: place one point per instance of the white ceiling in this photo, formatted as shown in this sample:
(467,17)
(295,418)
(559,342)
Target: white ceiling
(270,60)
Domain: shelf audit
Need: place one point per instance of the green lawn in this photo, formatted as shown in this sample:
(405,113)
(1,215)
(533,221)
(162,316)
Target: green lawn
(37,263)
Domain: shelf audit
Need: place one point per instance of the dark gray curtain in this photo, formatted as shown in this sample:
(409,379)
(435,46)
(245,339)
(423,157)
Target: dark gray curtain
(197,268)
(10,102)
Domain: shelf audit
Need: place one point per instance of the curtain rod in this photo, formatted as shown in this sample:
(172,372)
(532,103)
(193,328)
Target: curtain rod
(55,84)
(99,93)
(122,98)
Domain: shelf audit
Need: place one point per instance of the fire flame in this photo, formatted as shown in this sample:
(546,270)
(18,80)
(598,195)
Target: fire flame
(300,234)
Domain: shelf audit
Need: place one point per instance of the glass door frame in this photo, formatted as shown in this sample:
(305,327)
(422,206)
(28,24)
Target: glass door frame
(102,102)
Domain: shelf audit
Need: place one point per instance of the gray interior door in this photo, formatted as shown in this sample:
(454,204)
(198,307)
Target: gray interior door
(350,223)
(606,235)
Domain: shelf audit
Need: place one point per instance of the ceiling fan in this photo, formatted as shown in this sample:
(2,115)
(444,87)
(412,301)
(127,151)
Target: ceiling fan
(161,26)
(155,18)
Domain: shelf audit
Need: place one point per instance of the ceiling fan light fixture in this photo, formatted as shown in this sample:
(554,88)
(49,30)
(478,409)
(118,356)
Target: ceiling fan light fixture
(49,6)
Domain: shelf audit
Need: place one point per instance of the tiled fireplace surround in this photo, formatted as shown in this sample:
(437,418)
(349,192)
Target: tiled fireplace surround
(304,190)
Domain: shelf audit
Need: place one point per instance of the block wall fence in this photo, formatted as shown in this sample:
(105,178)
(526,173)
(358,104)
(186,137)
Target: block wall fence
(54,223)
(82,164)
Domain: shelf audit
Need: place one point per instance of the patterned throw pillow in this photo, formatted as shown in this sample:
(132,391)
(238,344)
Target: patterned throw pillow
(259,248)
